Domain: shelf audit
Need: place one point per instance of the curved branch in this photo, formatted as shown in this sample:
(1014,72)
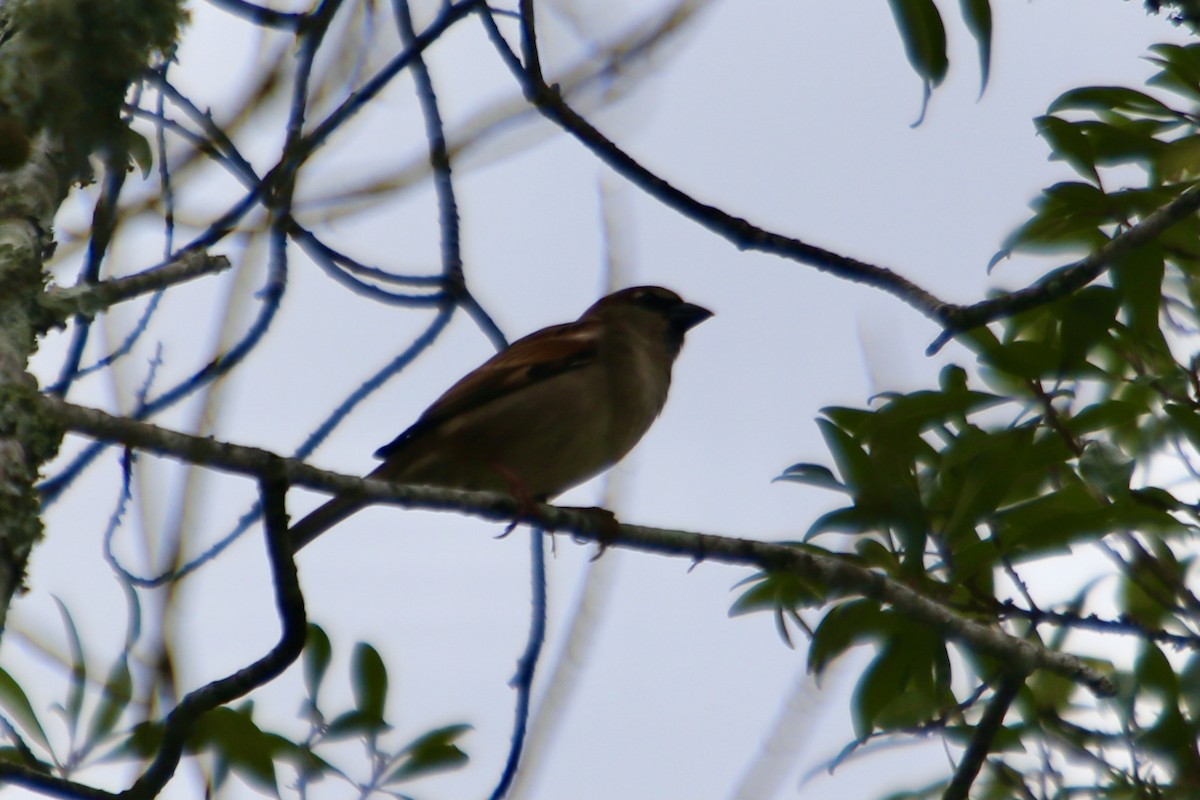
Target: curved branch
(289,602)
(954,319)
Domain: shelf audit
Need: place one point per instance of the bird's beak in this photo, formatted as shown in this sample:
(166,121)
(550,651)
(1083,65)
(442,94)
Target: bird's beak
(686,316)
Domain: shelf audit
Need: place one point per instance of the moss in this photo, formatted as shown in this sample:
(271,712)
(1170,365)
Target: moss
(69,63)
(22,417)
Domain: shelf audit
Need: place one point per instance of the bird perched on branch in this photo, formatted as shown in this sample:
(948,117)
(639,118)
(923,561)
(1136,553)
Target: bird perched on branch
(552,410)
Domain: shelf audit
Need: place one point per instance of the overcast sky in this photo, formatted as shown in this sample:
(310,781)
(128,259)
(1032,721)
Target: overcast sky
(796,115)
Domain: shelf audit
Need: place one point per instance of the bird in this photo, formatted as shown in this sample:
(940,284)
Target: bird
(545,414)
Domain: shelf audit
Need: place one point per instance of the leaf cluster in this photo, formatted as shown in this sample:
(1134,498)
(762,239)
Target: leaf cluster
(109,721)
(1077,430)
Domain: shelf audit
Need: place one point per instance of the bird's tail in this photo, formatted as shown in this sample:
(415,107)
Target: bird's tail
(324,518)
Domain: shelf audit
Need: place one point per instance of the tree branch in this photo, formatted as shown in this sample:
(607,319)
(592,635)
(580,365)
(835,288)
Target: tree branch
(60,304)
(985,733)
(289,602)
(825,569)
(549,101)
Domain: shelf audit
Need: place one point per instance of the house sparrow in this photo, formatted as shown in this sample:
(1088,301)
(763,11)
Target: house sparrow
(552,410)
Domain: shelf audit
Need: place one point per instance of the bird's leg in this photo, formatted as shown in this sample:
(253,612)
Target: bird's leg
(605,523)
(526,502)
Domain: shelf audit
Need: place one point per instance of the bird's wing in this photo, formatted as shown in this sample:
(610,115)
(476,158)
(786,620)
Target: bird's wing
(537,357)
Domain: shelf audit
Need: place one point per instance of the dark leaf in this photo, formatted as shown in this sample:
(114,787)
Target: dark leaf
(924,37)
(14,701)
(354,723)
(118,691)
(844,626)
(977,14)
(233,737)
(1068,143)
(813,475)
(1106,468)
(369,680)
(1112,98)
(317,654)
(74,706)
(434,751)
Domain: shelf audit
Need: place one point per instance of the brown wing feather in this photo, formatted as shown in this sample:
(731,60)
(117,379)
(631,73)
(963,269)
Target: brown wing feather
(541,355)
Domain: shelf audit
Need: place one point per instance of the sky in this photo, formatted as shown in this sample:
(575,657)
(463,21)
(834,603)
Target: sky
(796,115)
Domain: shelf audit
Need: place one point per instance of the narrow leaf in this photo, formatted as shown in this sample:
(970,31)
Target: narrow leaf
(369,680)
(14,700)
(977,14)
(74,706)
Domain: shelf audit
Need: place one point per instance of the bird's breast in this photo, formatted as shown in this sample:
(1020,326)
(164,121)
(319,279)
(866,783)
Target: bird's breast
(545,437)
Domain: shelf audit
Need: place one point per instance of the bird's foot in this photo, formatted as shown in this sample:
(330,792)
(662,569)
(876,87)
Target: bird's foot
(603,522)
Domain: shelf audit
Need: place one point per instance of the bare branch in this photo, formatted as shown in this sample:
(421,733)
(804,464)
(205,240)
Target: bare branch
(260,15)
(60,304)
(985,733)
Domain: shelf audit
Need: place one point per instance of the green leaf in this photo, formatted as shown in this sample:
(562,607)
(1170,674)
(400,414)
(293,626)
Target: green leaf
(1138,278)
(1068,143)
(144,740)
(1047,524)
(1024,360)
(307,763)
(1189,684)
(1113,98)
(777,590)
(1105,415)
(853,463)
(118,691)
(979,472)
(1107,468)
(14,701)
(952,379)
(317,655)
(907,684)
(1186,420)
(1179,69)
(354,723)
(138,148)
(235,739)
(369,681)
(813,475)
(1133,142)
(977,14)
(1154,671)
(1178,161)
(882,682)
(1086,317)
(847,520)
(1067,215)
(924,37)
(844,626)
(74,706)
(431,752)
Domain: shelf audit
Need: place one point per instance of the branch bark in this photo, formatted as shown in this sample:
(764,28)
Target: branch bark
(31,196)
(825,569)
(60,304)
